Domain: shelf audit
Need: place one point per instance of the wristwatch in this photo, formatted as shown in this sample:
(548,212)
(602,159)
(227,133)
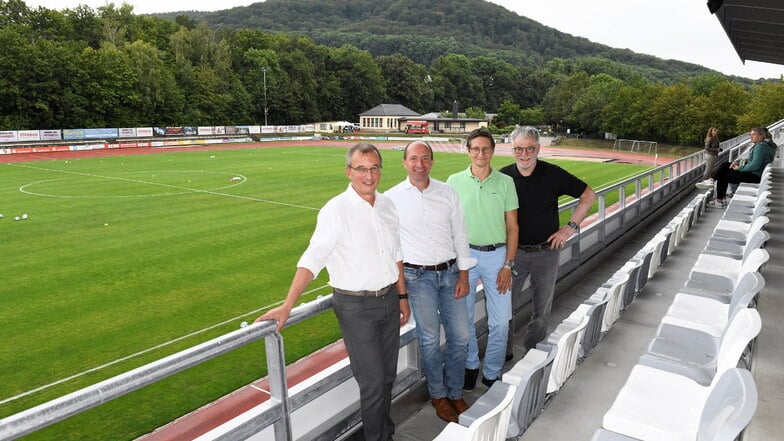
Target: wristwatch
(509,264)
(573,224)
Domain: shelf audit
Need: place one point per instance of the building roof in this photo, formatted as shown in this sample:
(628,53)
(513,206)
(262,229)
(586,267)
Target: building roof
(755,27)
(389,110)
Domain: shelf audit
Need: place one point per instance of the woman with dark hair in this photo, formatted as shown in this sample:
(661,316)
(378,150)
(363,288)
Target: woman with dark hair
(761,154)
(711,153)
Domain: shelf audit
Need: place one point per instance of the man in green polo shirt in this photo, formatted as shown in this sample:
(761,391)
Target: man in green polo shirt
(489,205)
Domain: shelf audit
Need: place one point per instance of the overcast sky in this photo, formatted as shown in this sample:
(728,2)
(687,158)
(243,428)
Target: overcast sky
(669,29)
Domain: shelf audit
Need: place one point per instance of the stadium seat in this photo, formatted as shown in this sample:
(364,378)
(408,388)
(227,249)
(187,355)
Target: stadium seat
(712,315)
(566,337)
(723,278)
(613,289)
(486,420)
(722,248)
(529,376)
(698,355)
(593,330)
(738,231)
(656,405)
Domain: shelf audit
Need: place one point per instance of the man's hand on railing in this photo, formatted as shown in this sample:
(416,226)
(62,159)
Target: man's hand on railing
(279,314)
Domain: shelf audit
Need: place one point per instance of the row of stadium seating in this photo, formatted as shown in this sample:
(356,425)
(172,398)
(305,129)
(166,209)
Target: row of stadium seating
(694,381)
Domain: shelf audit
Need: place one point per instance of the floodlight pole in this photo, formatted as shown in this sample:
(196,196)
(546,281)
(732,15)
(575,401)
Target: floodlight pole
(264,71)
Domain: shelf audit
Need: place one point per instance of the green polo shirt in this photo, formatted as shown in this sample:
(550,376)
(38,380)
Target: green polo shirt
(485,204)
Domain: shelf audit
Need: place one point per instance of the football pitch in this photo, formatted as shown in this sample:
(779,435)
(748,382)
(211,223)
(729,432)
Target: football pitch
(122,260)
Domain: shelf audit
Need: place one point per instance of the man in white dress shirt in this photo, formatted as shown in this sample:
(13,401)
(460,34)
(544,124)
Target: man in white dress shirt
(357,240)
(436,262)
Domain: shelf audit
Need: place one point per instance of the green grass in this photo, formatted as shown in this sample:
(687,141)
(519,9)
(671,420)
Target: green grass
(122,254)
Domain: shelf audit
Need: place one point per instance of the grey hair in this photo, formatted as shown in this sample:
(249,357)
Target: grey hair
(363,148)
(525,132)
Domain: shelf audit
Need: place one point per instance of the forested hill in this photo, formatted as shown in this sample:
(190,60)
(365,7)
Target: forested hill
(423,30)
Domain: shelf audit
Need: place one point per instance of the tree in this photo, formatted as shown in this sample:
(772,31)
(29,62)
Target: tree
(509,114)
(586,111)
(766,105)
(454,80)
(160,100)
(560,98)
(407,82)
(359,79)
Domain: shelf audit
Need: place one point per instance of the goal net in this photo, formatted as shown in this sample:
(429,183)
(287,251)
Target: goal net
(635,145)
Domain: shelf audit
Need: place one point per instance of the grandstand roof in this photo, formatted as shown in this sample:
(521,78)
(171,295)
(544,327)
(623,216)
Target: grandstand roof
(755,27)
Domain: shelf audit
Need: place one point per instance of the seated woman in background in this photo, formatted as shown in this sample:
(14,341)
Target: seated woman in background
(761,154)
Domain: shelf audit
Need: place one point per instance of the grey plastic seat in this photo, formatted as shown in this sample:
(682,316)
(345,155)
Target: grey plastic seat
(530,376)
(593,330)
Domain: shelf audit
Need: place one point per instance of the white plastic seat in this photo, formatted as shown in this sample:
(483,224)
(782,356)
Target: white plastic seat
(738,231)
(656,405)
(745,200)
(530,376)
(566,337)
(614,289)
(701,356)
(490,424)
(733,250)
(721,274)
(708,314)
(656,244)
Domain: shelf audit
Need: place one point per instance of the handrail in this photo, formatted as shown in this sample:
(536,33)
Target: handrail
(48,413)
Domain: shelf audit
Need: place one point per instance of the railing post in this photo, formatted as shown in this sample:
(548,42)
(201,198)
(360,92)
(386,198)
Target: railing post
(279,391)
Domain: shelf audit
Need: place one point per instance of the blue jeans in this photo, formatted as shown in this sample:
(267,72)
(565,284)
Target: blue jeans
(433,303)
(542,266)
(499,312)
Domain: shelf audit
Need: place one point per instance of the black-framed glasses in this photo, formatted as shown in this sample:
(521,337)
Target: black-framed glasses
(362,169)
(477,150)
(529,149)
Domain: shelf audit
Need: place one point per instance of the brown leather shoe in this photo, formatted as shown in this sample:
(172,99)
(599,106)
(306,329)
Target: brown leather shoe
(459,404)
(444,409)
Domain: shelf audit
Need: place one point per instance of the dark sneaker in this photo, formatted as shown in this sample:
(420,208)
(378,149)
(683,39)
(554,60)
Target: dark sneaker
(487,382)
(444,409)
(469,383)
(459,404)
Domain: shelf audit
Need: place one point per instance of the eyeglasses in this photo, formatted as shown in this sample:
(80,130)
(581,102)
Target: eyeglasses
(477,150)
(529,149)
(362,170)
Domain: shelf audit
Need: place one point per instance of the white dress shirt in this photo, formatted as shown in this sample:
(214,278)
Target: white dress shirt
(432,227)
(357,242)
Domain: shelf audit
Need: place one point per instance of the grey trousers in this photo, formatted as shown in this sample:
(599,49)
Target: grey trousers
(371,332)
(542,267)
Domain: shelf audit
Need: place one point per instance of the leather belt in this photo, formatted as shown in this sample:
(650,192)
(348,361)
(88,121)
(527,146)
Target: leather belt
(439,267)
(378,293)
(492,247)
(544,246)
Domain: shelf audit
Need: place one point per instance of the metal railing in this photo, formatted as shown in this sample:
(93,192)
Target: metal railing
(651,190)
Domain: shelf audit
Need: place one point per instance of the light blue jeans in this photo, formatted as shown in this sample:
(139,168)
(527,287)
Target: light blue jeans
(499,312)
(433,303)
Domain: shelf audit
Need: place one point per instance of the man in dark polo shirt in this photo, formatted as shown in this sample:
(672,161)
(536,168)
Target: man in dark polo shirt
(539,184)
